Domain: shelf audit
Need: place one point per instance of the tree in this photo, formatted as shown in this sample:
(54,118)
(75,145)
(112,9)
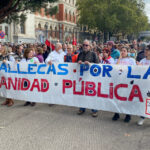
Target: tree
(16,9)
(115,16)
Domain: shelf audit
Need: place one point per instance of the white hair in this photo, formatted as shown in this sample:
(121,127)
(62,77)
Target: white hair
(86,40)
(58,45)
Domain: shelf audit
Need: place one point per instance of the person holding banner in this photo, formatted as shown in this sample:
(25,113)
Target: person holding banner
(56,55)
(5,56)
(124,60)
(87,57)
(29,58)
(144,61)
(70,56)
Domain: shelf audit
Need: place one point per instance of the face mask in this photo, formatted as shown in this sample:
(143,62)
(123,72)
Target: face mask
(129,54)
(132,55)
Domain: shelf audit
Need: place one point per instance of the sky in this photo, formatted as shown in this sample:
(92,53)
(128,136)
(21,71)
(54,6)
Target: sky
(147,8)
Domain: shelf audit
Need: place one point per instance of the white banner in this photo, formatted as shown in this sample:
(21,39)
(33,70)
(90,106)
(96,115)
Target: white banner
(115,88)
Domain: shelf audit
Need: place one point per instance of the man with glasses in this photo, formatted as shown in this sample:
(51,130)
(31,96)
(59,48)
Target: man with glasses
(70,56)
(86,57)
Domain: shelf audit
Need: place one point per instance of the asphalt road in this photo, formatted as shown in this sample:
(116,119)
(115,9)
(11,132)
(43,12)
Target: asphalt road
(60,128)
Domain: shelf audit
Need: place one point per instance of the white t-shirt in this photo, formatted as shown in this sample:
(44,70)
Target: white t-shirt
(127,61)
(55,57)
(144,61)
(32,60)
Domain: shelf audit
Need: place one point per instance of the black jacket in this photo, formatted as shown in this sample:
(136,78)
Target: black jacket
(88,56)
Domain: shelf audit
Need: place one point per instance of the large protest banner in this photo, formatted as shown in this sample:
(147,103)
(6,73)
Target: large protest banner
(115,88)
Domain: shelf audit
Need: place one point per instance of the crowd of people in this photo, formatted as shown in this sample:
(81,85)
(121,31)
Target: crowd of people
(135,53)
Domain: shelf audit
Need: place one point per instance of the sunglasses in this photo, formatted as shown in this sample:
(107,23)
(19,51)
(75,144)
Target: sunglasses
(85,45)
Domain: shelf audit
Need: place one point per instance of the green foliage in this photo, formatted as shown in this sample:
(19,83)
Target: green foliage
(115,16)
(15,10)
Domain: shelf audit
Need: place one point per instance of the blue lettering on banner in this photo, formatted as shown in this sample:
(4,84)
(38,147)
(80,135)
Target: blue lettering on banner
(83,68)
(95,70)
(147,74)
(65,71)
(106,70)
(51,69)
(20,72)
(30,68)
(39,68)
(129,75)
(9,69)
(3,67)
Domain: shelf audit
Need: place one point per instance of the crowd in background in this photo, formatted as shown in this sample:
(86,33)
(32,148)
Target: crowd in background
(134,53)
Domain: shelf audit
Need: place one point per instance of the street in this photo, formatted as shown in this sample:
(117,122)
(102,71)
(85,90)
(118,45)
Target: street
(60,128)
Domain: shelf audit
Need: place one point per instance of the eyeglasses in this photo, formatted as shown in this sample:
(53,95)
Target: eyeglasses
(85,45)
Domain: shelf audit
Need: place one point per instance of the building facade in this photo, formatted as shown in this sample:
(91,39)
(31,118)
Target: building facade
(61,26)
(38,27)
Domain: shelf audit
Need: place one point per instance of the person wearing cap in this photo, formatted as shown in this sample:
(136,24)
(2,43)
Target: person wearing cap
(115,54)
(144,61)
(86,57)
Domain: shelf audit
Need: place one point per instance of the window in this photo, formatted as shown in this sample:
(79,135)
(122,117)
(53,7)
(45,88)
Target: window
(55,32)
(22,28)
(66,29)
(51,30)
(6,30)
(73,17)
(65,14)
(70,15)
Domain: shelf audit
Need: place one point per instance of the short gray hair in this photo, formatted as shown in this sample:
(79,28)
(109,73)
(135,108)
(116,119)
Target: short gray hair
(86,40)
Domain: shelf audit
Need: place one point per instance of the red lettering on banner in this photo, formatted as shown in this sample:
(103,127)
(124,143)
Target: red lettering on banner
(11,83)
(78,92)
(90,89)
(3,82)
(66,84)
(44,89)
(35,85)
(99,94)
(23,82)
(19,82)
(111,89)
(116,91)
(135,92)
